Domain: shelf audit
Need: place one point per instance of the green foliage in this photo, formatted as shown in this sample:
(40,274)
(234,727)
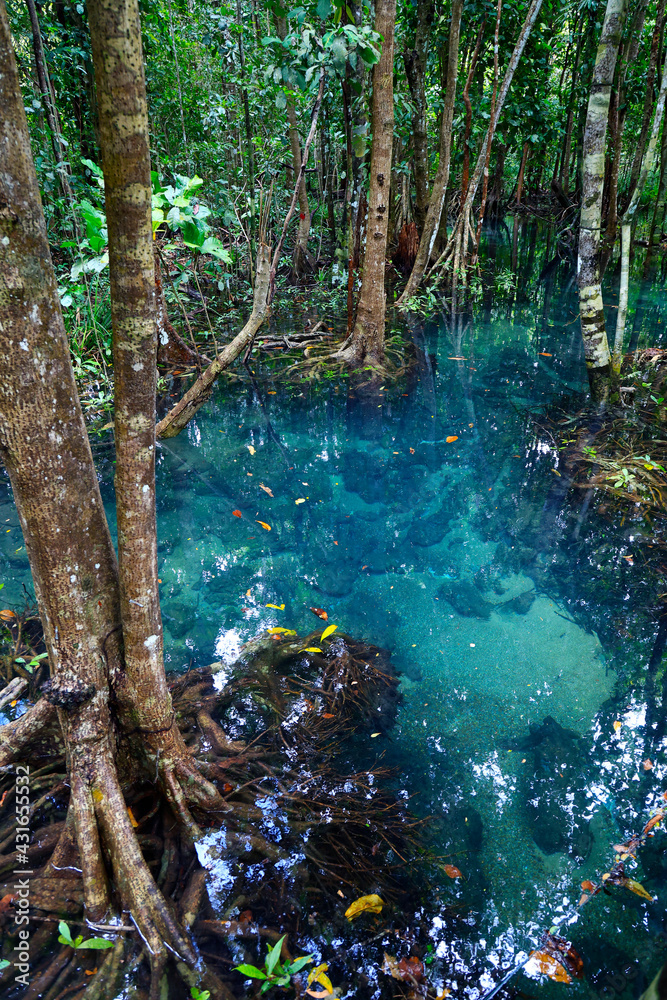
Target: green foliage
(65,937)
(197,994)
(275,972)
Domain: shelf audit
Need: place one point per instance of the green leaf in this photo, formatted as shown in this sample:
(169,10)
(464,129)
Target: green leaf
(213,246)
(65,934)
(251,971)
(324,8)
(98,943)
(193,236)
(274,955)
(3,963)
(299,964)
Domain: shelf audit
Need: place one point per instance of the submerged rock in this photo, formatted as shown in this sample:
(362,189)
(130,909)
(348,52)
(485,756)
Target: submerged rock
(555,794)
(520,605)
(465,599)
(430,530)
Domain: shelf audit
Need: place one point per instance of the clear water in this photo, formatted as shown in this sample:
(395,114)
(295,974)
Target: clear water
(379,519)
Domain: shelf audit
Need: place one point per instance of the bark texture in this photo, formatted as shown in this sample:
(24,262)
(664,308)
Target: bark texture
(44,445)
(439,192)
(366,342)
(414,60)
(596,347)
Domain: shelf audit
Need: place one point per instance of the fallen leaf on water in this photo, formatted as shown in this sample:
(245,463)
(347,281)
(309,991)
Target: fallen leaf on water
(583,899)
(452,437)
(317,975)
(373,735)
(328,715)
(365,904)
(278,631)
(237,513)
(266,489)
(6,902)
(544,354)
(452,871)
(247,593)
(638,889)
(457,359)
(132,819)
(13,704)
(318,994)
(329,630)
(320,612)
(617,725)
(278,607)
(7,615)
(556,473)
(311,649)
(227,787)
(412,451)
(91,972)
(4,796)
(300,500)
(340,893)
(546,965)
(587,886)
(629,559)
(267,527)
(250,449)
(648,764)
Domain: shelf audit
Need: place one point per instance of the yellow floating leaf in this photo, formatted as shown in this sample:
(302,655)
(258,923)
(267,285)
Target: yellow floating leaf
(317,975)
(281,631)
(638,889)
(266,489)
(267,527)
(132,819)
(278,607)
(13,704)
(311,649)
(300,500)
(329,630)
(373,735)
(250,449)
(365,904)
(617,725)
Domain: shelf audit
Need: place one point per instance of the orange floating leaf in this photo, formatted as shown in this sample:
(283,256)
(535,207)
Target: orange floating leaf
(412,451)
(452,871)
(648,764)
(237,513)
(546,965)
(328,715)
(452,437)
(545,354)
(320,612)
(7,615)
(266,489)
(267,527)
(587,886)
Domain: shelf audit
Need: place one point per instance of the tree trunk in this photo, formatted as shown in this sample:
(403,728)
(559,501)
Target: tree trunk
(441,179)
(487,160)
(628,219)
(246,111)
(366,342)
(303,262)
(465,173)
(66,535)
(567,147)
(415,71)
(522,168)
(596,347)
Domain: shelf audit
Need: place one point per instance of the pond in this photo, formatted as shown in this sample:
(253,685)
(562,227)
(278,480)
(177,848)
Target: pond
(428,516)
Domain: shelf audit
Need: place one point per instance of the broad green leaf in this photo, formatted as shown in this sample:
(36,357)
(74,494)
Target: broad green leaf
(274,955)
(251,971)
(65,933)
(98,943)
(298,964)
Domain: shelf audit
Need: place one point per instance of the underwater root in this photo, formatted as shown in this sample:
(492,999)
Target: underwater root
(263,739)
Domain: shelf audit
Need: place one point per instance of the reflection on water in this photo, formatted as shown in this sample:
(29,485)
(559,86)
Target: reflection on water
(426,517)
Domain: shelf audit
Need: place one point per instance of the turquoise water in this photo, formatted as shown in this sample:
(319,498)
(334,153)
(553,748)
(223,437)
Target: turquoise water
(483,576)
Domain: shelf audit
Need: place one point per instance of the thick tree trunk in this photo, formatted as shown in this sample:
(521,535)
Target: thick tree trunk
(415,70)
(45,448)
(596,347)
(628,219)
(366,342)
(494,94)
(441,179)
(465,173)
